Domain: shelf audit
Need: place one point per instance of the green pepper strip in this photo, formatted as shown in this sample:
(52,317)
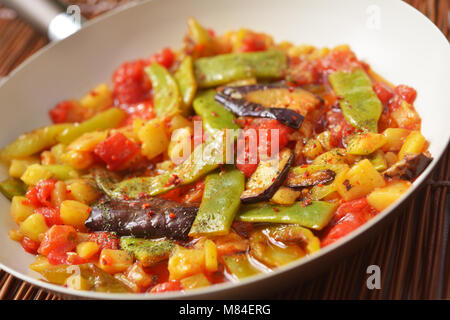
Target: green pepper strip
(315,215)
(110,118)
(33,142)
(220,203)
(360,104)
(224,68)
(187,85)
(214,115)
(12,187)
(148,251)
(204,159)
(166,96)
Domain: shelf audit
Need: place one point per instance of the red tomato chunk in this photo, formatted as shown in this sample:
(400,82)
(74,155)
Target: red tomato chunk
(40,194)
(165,57)
(66,111)
(57,241)
(116,151)
(131,84)
(349,216)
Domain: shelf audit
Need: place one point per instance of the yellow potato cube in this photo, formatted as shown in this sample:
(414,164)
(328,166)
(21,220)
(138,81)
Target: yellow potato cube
(286,196)
(137,274)
(87,249)
(211,264)
(40,264)
(178,122)
(20,209)
(78,159)
(74,213)
(415,143)
(19,166)
(395,138)
(34,227)
(15,235)
(35,173)
(154,139)
(198,280)
(114,261)
(185,262)
(360,180)
(83,192)
(77,282)
(365,143)
(312,148)
(98,98)
(381,198)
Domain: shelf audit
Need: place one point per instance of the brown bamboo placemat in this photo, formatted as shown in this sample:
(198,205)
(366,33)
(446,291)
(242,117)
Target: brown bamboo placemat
(413,253)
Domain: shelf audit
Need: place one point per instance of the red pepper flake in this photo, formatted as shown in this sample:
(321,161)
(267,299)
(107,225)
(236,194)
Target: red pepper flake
(214,114)
(145,205)
(276,209)
(320,185)
(150,213)
(88,210)
(305,203)
(172,215)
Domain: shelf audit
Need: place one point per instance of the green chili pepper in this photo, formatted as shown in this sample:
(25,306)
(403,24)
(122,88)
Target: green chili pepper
(240,266)
(315,215)
(110,118)
(214,115)
(220,203)
(166,96)
(224,68)
(187,85)
(33,142)
(204,159)
(12,187)
(148,251)
(359,103)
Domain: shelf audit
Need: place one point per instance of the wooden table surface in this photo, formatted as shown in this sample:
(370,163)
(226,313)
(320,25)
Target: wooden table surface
(413,253)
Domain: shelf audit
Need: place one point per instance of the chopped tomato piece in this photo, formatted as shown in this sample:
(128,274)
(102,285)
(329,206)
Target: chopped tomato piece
(116,151)
(131,84)
(67,111)
(29,245)
(253,42)
(349,216)
(339,127)
(51,215)
(406,93)
(40,194)
(303,71)
(105,240)
(58,239)
(340,60)
(173,285)
(383,92)
(165,57)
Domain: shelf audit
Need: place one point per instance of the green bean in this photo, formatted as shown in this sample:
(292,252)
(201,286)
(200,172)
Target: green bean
(220,203)
(187,85)
(224,68)
(12,187)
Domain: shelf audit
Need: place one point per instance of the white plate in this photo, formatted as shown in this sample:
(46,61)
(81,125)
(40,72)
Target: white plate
(395,39)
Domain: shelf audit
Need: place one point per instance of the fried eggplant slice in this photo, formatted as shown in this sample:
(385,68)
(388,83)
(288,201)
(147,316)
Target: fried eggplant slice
(409,168)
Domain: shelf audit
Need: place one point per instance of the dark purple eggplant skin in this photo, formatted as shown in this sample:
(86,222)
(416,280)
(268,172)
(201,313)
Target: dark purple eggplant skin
(409,168)
(315,178)
(233,98)
(267,193)
(145,218)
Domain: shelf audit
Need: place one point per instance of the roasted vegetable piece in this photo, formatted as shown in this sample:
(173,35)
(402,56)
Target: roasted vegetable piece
(224,68)
(33,142)
(308,176)
(110,118)
(271,101)
(97,279)
(149,252)
(359,103)
(200,38)
(12,187)
(187,85)
(166,96)
(268,177)
(378,161)
(294,243)
(240,266)
(204,159)
(220,203)
(214,115)
(145,217)
(316,215)
(410,167)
